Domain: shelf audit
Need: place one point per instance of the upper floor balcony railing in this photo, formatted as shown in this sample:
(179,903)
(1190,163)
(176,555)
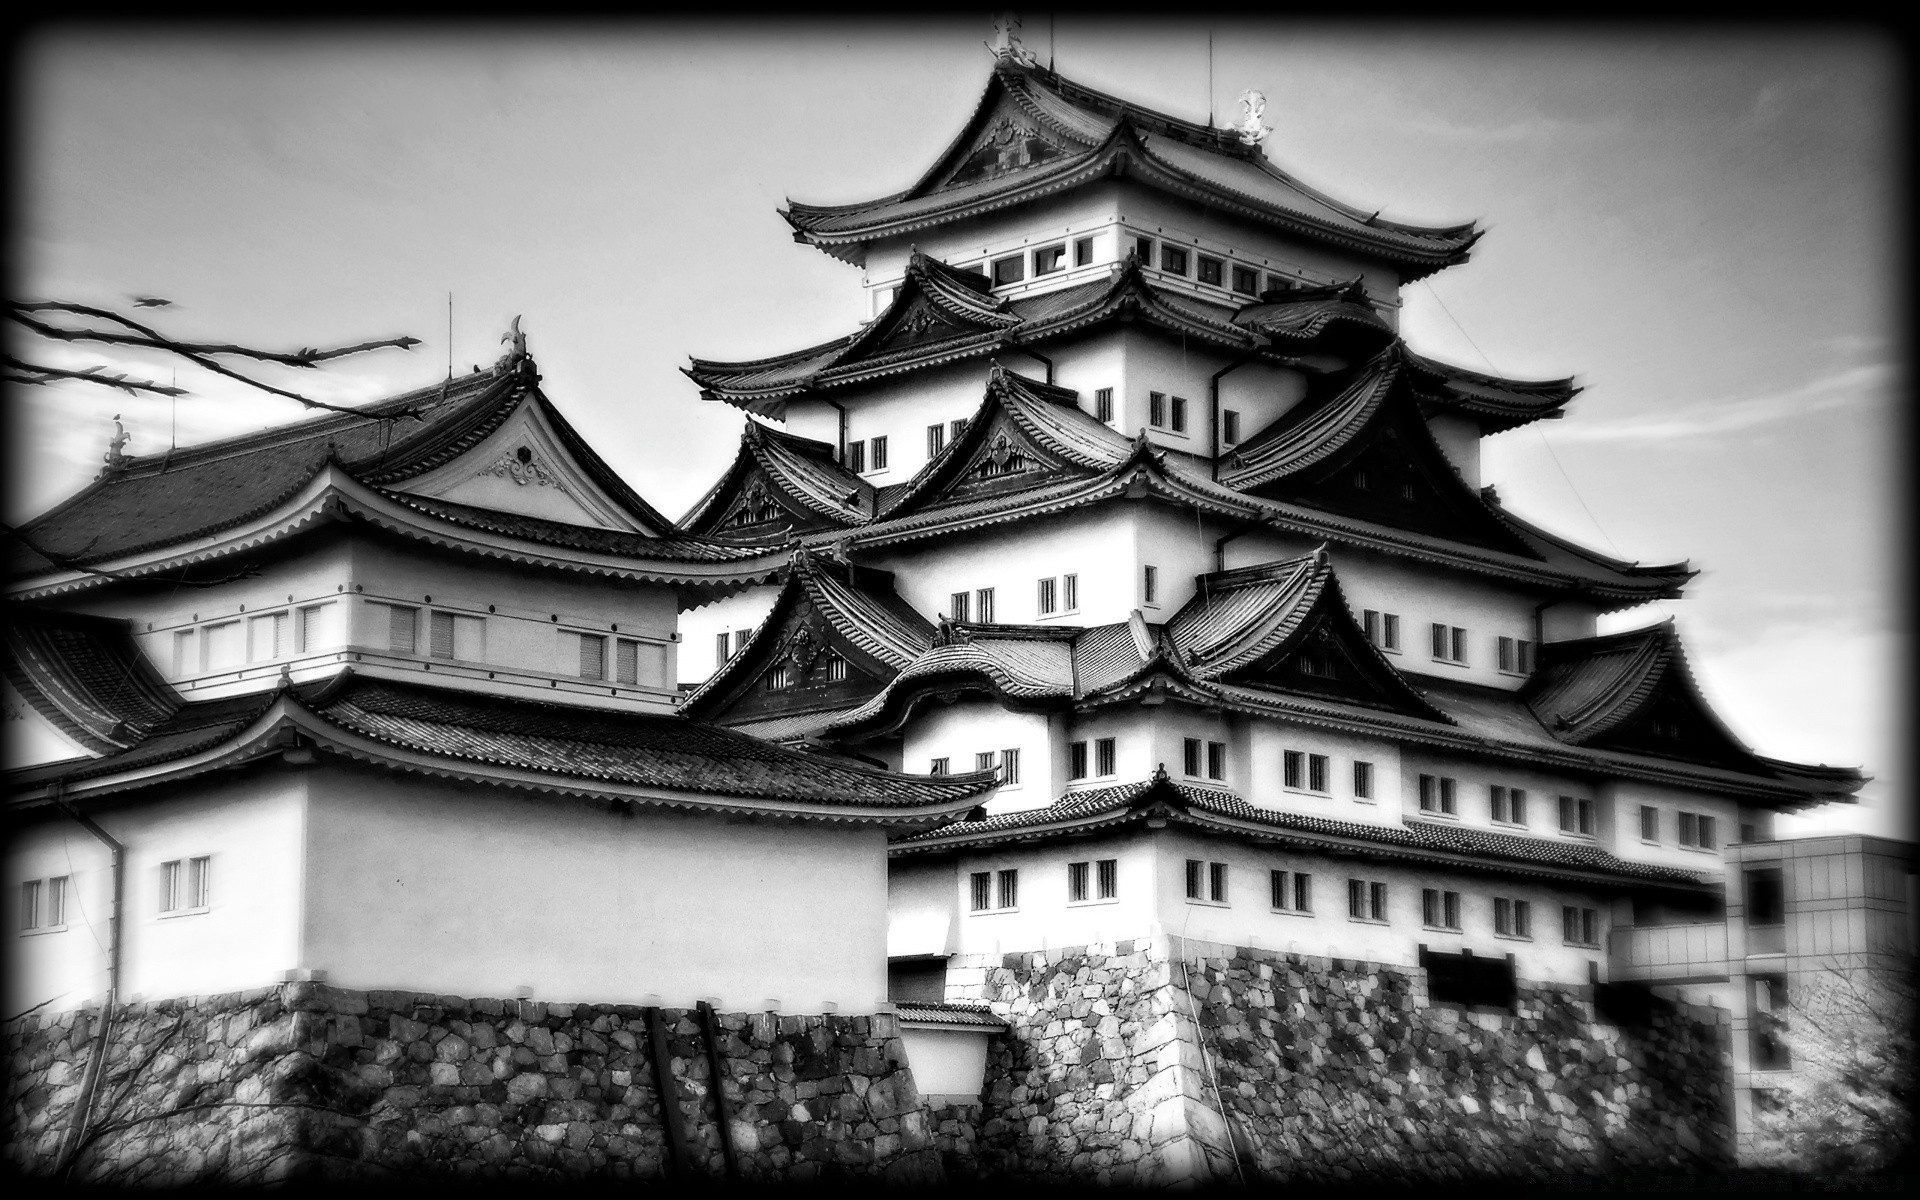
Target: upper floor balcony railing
(1667,953)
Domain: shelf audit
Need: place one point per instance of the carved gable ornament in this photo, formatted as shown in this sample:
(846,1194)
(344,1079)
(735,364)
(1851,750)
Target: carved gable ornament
(523,468)
(754,507)
(803,640)
(1009,143)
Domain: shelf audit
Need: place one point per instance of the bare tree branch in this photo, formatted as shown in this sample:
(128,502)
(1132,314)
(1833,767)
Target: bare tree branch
(202,354)
(71,562)
(12,370)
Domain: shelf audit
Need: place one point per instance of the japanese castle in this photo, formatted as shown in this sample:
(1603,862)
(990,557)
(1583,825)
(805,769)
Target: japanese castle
(1125,577)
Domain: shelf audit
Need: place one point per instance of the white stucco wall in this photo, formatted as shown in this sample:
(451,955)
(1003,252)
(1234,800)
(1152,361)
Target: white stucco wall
(248,935)
(744,610)
(959,731)
(1623,797)
(477,891)
(949,1065)
(1459,439)
(1044,917)
(31,739)
(524,647)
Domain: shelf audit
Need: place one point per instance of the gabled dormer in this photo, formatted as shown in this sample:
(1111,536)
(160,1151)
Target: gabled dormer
(1358,445)
(779,483)
(834,637)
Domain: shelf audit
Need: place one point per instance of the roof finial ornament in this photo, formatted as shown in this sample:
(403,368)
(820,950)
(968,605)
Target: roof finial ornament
(1006,41)
(516,353)
(115,459)
(1253,105)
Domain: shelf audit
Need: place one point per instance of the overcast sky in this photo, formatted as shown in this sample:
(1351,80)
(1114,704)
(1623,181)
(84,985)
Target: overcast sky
(1696,224)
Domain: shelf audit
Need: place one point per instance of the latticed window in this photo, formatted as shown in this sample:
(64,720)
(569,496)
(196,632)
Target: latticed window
(1103,755)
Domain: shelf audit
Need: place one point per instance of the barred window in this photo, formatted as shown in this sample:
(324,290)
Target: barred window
(1103,756)
(1363,781)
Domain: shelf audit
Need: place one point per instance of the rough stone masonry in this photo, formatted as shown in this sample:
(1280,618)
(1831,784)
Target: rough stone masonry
(1161,1061)
(306,1081)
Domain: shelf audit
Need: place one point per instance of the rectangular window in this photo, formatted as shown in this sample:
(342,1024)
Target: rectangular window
(1229,427)
(936,440)
(1749,833)
(1706,832)
(198,881)
(1526,657)
(982,891)
(879,446)
(1156,409)
(780,678)
(939,766)
(1439,794)
(1579,926)
(1103,405)
(1048,260)
(1211,270)
(1317,773)
(1190,758)
(1649,823)
(740,639)
(224,645)
(183,659)
(1377,900)
(1246,280)
(1366,901)
(1082,251)
(1506,656)
(1077,760)
(983,605)
(1150,585)
(1049,591)
(1196,871)
(856,457)
(266,636)
(1076,882)
(1217,882)
(1576,815)
(1103,756)
(1070,587)
(1278,283)
(1509,805)
(1440,909)
(593,656)
(1516,656)
(1107,877)
(1143,247)
(955,428)
(1011,269)
(318,627)
(626,662)
(1449,643)
(959,605)
(457,636)
(1459,645)
(57,901)
(402,626)
(30,904)
(1173,259)
(1766,896)
(1179,414)
(170,883)
(1389,631)
(1216,760)
(1292,891)
(1009,767)
(1293,768)
(1363,781)
(983,761)
(720,653)
(1009,882)
(1512,918)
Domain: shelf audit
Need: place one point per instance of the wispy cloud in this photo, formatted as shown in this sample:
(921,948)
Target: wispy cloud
(1527,129)
(1845,388)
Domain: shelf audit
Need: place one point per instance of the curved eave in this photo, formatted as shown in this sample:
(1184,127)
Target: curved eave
(1356,406)
(1124,155)
(273,731)
(333,495)
(908,693)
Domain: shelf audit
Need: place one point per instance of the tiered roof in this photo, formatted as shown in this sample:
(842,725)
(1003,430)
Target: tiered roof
(86,676)
(165,516)
(1035,134)
(550,749)
(779,481)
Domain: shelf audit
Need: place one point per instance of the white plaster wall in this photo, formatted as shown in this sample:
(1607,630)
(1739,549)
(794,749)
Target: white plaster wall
(1624,798)
(743,610)
(958,731)
(248,936)
(901,408)
(949,1065)
(476,891)
(524,649)
(1248,919)
(1044,917)
(921,914)
(1474,795)
(1095,544)
(1459,439)
(31,739)
(1270,740)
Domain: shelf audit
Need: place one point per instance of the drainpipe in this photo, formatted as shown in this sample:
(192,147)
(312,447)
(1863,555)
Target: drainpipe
(97,1053)
(1213,404)
(1043,359)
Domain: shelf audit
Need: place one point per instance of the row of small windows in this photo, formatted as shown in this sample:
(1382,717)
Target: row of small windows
(1060,594)
(1696,830)
(1206,268)
(1045,260)
(1103,758)
(1447,643)
(1439,794)
(829,668)
(262,637)
(999,891)
(1008,765)
(857,455)
(976,606)
(1167,412)
(186,886)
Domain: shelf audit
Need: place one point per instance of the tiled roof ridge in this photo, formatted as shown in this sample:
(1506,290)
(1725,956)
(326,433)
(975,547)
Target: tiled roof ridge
(548,531)
(1307,434)
(102,714)
(1677,572)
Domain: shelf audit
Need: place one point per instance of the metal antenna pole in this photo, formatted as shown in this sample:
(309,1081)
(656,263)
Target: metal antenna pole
(1209,79)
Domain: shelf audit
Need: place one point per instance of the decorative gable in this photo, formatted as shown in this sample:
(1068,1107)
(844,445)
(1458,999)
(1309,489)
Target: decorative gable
(1003,459)
(523,467)
(800,665)
(1009,141)
(1328,658)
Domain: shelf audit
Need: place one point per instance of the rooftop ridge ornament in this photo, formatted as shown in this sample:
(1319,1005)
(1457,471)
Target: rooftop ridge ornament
(1253,106)
(114,459)
(1006,41)
(516,352)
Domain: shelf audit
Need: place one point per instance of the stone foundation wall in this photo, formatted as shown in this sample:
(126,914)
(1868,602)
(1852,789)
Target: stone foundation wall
(304,1081)
(1166,1060)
